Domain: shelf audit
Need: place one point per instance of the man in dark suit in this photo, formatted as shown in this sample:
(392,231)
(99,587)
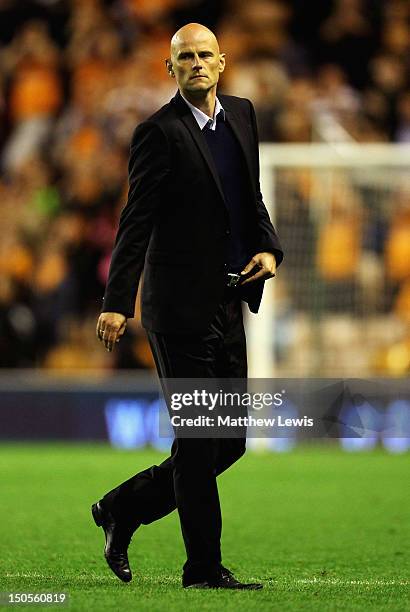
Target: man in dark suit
(194,217)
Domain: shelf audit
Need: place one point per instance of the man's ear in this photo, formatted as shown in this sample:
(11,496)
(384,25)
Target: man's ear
(221,62)
(168,64)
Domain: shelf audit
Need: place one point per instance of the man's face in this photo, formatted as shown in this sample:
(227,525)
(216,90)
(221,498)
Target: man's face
(196,63)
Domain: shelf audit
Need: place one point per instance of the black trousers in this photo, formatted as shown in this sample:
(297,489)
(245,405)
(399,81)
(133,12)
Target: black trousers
(187,479)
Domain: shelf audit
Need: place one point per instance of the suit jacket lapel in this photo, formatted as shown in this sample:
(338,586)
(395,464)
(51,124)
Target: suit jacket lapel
(199,139)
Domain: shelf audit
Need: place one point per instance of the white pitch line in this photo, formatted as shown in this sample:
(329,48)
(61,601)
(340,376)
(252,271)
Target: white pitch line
(324,581)
(31,575)
(54,577)
(340,581)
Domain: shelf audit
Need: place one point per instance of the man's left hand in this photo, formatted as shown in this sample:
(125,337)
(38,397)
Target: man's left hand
(265,267)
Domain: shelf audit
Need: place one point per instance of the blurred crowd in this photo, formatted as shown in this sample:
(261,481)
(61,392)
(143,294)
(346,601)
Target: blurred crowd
(76,76)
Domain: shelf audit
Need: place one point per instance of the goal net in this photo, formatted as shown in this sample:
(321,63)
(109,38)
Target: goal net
(340,303)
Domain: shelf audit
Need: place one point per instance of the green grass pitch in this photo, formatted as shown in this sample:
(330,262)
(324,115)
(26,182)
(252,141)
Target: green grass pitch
(323,529)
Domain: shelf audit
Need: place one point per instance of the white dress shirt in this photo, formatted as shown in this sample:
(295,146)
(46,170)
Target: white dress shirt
(202,119)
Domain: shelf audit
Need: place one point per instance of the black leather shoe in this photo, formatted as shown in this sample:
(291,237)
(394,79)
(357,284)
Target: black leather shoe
(117,540)
(224,580)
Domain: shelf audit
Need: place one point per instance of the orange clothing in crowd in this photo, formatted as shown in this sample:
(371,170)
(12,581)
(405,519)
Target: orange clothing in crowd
(35,92)
(150,9)
(338,249)
(397,251)
(16,262)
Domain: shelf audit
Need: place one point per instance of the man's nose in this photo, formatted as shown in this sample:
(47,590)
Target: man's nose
(196,62)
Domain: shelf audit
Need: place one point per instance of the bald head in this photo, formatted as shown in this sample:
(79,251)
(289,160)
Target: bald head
(193,32)
(196,61)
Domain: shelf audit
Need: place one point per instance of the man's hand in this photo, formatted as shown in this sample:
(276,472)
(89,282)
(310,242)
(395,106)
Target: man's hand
(265,264)
(110,328)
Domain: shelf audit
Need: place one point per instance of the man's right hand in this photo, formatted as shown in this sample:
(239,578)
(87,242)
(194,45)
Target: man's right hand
(110,327)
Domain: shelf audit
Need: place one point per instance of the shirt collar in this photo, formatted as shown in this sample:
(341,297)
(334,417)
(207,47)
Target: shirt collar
(201,118)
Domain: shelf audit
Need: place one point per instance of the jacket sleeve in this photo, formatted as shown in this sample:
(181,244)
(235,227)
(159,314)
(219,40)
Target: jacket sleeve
(268,238)
(148,170)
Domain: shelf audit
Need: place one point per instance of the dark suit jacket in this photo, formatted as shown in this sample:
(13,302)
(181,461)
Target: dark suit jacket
(175,224)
